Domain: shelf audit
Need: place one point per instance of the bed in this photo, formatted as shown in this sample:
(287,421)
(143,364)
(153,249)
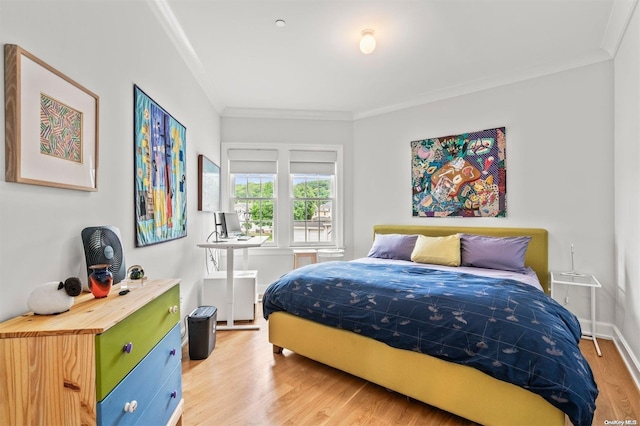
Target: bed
(431,370)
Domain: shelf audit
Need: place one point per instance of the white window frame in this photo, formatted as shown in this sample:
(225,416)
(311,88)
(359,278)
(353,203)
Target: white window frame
(283,210)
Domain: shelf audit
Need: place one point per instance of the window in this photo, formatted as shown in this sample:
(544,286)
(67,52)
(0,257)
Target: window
(253,201)
(313,196)
(312,204)
(290,193)
(253,174)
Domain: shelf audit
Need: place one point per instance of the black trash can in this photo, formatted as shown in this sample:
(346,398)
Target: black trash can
(202,331)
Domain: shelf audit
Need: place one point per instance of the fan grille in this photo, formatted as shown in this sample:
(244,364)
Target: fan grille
(102,246)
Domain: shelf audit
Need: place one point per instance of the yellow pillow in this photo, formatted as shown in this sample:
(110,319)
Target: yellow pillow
(437,250)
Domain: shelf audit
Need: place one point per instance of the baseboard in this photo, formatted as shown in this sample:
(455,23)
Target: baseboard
(603,330)
(611,332)
(629,358)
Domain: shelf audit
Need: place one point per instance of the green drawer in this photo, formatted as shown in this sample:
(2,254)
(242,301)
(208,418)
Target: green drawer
(143,330)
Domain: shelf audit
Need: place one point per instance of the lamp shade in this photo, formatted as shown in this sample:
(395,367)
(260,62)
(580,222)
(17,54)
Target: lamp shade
(367,42)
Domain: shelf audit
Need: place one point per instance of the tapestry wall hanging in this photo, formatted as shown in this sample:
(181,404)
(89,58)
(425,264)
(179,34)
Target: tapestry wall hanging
(160,173)
(460,175)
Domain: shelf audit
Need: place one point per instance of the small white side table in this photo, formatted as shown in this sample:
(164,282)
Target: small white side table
(569,278)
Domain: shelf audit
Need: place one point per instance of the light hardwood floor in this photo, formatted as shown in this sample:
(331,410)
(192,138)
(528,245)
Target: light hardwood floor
(243,383)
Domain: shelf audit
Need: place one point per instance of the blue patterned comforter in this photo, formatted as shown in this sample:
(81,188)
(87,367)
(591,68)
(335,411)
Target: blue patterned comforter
(505,328)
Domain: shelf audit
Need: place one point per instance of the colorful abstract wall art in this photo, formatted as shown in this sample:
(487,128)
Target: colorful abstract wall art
(60,130)
(160,173)
(460,175)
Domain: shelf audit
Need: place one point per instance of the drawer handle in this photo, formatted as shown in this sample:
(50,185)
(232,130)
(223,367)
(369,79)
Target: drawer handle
(174,394)
(130,407)
(172,352)
(127,348)
(173,309)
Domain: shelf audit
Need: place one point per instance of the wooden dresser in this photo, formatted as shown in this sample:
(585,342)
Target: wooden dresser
(106,361)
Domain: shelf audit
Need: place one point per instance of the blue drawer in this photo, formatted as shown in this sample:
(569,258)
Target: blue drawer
(164,402)
(143,383)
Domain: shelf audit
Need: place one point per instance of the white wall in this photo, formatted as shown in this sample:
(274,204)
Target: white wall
(272,262)
(559,167)
(106,46)
(627,205)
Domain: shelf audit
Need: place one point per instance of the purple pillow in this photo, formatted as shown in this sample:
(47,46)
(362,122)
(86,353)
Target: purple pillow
(506,253)
(393,246)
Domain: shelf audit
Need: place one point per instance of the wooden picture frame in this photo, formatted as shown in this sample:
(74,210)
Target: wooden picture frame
(51,125)
(208,185)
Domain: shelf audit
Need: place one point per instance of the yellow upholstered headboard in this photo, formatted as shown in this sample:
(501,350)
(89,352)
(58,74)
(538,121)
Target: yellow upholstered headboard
(537,256)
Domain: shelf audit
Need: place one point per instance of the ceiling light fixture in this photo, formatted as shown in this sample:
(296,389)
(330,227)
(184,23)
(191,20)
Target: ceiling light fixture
(280,23)
(367,42)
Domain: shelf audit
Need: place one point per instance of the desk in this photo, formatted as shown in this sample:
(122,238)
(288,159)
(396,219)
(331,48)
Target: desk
(231,246)
(583,281)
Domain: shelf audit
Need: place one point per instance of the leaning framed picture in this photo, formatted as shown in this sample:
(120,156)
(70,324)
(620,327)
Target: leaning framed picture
(160,172)
(51,125)
(208,185)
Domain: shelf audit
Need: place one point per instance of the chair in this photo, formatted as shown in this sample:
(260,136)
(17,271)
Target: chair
(311,254)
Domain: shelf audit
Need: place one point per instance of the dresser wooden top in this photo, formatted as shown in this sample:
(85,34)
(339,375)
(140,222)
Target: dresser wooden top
(88,315)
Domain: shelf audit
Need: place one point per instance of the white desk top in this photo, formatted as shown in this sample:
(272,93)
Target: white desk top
(234,243)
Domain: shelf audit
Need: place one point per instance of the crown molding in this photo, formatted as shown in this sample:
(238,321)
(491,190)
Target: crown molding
(286,114)
(488,83)
(165,16)
(619,18)
(541,70)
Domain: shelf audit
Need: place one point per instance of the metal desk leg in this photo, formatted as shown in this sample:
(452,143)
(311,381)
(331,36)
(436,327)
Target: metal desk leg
(230,298)
(593,320)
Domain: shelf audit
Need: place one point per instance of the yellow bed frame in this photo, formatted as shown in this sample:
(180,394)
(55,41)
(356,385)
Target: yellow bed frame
(459,389)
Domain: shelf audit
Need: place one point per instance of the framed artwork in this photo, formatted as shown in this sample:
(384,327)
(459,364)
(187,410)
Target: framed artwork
(208,185)
(460,175)
(51,125)
(160,173)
